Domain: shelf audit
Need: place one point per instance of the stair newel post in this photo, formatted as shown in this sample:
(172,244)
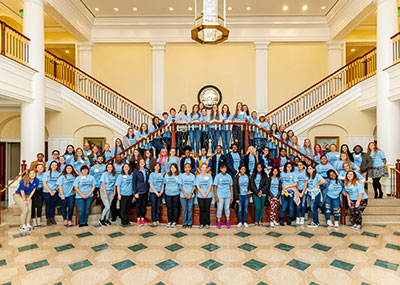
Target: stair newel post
(173,134)
(343,210)
(23,166)
(3,38)
(246,135)
(398,179)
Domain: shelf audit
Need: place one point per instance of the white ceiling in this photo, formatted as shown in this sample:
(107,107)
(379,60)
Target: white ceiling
(180,7)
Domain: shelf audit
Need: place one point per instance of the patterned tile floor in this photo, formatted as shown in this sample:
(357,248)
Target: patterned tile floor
(157,255)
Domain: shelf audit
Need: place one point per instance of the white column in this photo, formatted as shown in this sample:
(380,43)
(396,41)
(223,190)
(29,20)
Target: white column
(387,112)
(85,51)
(262,76)
(334,56)
(33,114)
(158,77)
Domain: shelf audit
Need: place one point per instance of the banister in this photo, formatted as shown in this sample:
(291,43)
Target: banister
(14,30)
(395,35)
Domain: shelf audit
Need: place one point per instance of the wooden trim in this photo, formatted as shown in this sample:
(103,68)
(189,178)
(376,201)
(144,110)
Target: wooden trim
(3,38)
(395,35)
(14,30)
(391,66)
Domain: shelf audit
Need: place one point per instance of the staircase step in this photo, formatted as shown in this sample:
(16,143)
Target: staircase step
(383,219)
(387,202)
(382,210)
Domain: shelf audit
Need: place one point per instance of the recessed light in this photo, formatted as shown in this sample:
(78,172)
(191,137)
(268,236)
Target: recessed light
(116,9)
(230,8)
(67,51)
(190,8)
(97,9)
(285,8)
(323,7)
(305,8)
(248,8)
(134,9)
(353,50)
(171,9)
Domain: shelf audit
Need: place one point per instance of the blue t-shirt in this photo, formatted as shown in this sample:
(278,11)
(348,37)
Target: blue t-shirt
(27,189)
(302,178)
(335,188)
(124,181)
(51,180)
(69,158)
(323,169)
(172,160)
(274,186)
(187,182)
(223,183)
(67,184)
(236,160)
(85,184)
(224,119)
(96,171)
(86,153)
(317,158)
(194,118)
(332,157)
(40,178)
(107,155)
(244,184)
(144,134)
(257,180)
(312,182)
(283,161)
(241,116)
(81,162)
(118,169)
(357,159)
(378,159)
(204,181)
(205,119)
(354,191)
(171,185)
(50,161)
(307,151)
(109,181)
(288,178)
(252,163)
(157,179)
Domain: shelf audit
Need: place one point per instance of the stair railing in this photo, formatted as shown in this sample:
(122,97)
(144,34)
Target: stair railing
(396,48)
(394,177)
(325,90)
(13,44)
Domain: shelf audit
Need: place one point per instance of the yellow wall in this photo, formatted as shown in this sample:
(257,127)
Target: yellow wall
(126,68)
(293,67)
(54,37)
(10,125)
(363,35)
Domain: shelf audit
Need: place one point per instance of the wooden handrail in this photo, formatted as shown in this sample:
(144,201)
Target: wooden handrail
(14,30)
(13,44)
(12,182)
(395,35)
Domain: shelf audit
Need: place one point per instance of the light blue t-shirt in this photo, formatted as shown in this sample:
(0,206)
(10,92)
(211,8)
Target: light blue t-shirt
(85,184)
(288,178)
(51,180)
(194,118)
(118,168)
(204,181)
(223,183)
(171,185)
(252,163)
(109,181)
(50,161)
(312,182)
(107,155)
(257,180)
(81,162)
(69,158)
(40,178)
(378,159)
(86,153)
(187,182)
(244,184)
(236,160)
(224,119)
(323,169)
(172,160)
(96,171)
(205,119)
(274,186)
(354,191)
(335,188)
(241,116)
(357,159)
(67,184)
(317,158)
(332,157)
(302,178)
(283,160)
(307,151)
(124,181)
(157,179)
(144,134)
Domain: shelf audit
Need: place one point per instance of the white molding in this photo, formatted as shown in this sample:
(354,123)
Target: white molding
(394,81)
(368,94)
(52,94)
(158,54)
(261,48)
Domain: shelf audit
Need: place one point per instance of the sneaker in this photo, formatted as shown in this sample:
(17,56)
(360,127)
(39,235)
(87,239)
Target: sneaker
(23,228)
(169,225)
(184,226)
(301,221)
(218,225)
(101,223)
(306,216)
(356,227)
(297,221)
(81,225)
(173,225)
(329,222)
(359,226)
(207,226)
(272,224)
(239,225)
(29,227)
(228,225)
(201,226)
(246,225)
(39,222)
(353,226)
(289,222)
(312,225)
(48,222)
(336,224)
(139,222)
(34,222)
(276,223)
(144,222)
(282,223)
(108,222)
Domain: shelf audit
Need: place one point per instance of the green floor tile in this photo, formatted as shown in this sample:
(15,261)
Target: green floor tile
(148,234)
(137,247)
(167,264)
(386,264)
(97,226)
(392,246)
(100,247)
(86,234)
(365,283)
(55,234)
(254,264)
(159,283)
(210,234)
(80,265)
(7,283)
(368,234)
(21,235)
(211,264)
(284,247)
(3,262)
(115,235)
(342,265)
(109,283)
(262,283)
(211,283)
(274,234)
(242,234)
(358,247)
(396,233)
(174,247)
(336,234)
(178,234)
(321,247)
(28,247)
(305,234)
(247,247)
(64,247)
(300,265)
(36,265)
(313,283)
(125,264)
(210,247)
(13,226)
(1,245)
(58,283)
(381,226)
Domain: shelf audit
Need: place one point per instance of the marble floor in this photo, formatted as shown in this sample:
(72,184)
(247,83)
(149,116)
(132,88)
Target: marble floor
(157,255)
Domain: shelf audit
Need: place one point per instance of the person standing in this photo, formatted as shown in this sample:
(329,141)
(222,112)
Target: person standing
(234,160)
(65,184)
(23,198)
(223,193)
(37,198)
(156,180)
(107,192)
(378,168)
(183,134)
(274,194)
(259,187)
(241,192)
(84,188)
(171,190)
(313,185)
(140,184)
(125,192)
(50,192)
(204,183)
(187,183)
(218,159)
(362,160)
(357,199)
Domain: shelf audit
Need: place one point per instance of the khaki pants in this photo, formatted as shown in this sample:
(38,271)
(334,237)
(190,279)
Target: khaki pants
(26,210)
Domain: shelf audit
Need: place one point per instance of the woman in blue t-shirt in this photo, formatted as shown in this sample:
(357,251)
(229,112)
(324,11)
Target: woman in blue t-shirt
(84,187)
(143,132)
(289,187)
(241,192)
(156,180)
(356,198)
(333,199)
(274,193)
(171,189)
(125,193)
(378,169)
(223,193)
(313,185)
(50,191)
(237,130)
(204,183)
(302,177)
(259,187)
(69,154)
(107,192)
(65,184)
(195,135)
(187,182)
(79,160)
(226,117)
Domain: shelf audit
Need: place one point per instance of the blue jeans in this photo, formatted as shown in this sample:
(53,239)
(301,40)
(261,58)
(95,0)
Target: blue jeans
(274,153)
(50,202)
(287,201)
(107,204)
(214,135)
(332,205)
(226,140)
(67,207)
(83,209)
(155,207)
(314,208)
(158,145)
(260,144)
(187,211)
(243,207)
(301,208)
(195,137)
(223,203)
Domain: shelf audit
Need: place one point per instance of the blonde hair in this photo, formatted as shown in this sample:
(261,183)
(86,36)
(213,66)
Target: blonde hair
(26,178)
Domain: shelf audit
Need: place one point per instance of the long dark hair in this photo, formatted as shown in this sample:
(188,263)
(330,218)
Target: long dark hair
(263,174)
(73,173)
(73,150)
(347,152)
(177,170)
(329,175)
(314,173)
(272,171)
(286,166)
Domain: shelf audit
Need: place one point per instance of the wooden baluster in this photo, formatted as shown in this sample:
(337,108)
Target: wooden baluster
(173,132)
(398,179)
(343,210)
(3,38)
(23,166)
(246,136)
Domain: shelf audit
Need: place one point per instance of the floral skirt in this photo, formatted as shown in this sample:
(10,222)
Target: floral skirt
(377,172)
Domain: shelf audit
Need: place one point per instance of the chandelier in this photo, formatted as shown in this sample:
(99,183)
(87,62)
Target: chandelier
(210,22)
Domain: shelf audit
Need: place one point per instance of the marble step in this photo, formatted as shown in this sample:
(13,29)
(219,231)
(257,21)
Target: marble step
(382,219)
(387,202)
(380,210)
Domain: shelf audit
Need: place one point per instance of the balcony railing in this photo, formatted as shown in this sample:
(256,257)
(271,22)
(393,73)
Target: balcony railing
(396,48)
(13,44)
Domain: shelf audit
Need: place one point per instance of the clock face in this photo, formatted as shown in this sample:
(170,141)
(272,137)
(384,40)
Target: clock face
(209,95)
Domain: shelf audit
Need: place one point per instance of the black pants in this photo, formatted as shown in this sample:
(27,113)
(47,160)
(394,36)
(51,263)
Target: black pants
(204,204)
(182,141)
(155,207)
(37,203)
(376,183)
(238,136)
(126,202)
(113,208)
(204,140)
(172,208)
(141,203)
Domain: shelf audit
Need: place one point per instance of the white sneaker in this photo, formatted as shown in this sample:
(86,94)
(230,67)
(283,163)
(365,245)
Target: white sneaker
(34,222)
(306,216)
(297,221)
(329,222)
(246,225)
(353,226)
(276,223)
(312,225)
(173,225)
(301,221)
(29,227)
(272,225)
(336,224)
(169,225)
(39,222)
(239,225)
(357,228)
(23,228)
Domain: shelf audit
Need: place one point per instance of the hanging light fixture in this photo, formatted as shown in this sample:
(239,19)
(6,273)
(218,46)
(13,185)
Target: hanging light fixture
(210,22)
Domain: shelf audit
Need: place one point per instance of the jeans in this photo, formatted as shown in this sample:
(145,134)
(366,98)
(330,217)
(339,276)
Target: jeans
(274,153)
(259,203)
(83,209)
(243,207)
(224,203)
(167,141)
(187,211)
(205,140)
(141,205)
(172,208)
(195,136)
(204,205)
(126,202)
(155,207)
(260,144)
(214,135)
(332,204)
(50,202)
(226,140)
(287,201)
(314,208)
(37,203)
(301,208)
(158,145)
(107,204)
(67,207)
(237,135)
